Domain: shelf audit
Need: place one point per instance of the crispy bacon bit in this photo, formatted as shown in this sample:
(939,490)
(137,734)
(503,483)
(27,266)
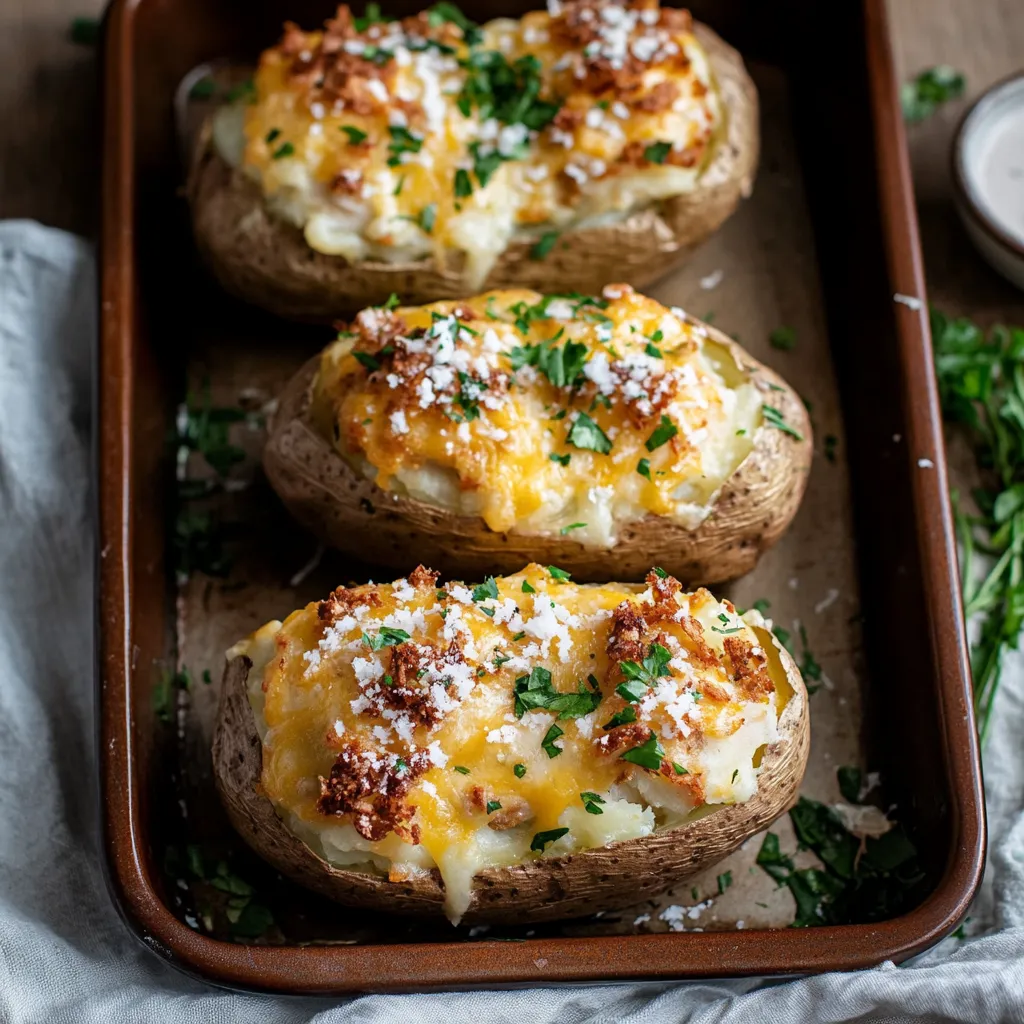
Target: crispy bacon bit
(409,662)
(623,737)
(423,578)
(465,313)
(665,589)
(660,98)
(625,642)
(342,601)
(749,669)
(697,648)
(693,781)
(568,118)
(713,691)
(676,20)
(372,787)
(347,182)
(377,328)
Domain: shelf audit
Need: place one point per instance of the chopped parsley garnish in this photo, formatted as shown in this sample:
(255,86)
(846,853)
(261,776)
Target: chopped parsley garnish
(922,96)
(544,839)
(643,467)
(402,141)
(393,302)
(648,755)
(519,636)
(544,245)
(653,351)
(535,692)
(461,769)
(355,135)
(783,338)
(400,765)
(773,418)
(463,186)
(365,359)
(725,627)
(444,11)
(388,681)
(527,588)
(631,691)
(624,717)
(562,460)
(663,433)
(285,149)
(510,93)
(565,530)
(487,589)
(591,802)
(548,743)
(653,667)
(859,881)
(586,434)
(762,604)
(657,152)
(372,16)
(559,574)
(849,779)
(561,364)
(399,186)
(493,805)
(271,135)
(679,769)
(724,881)
(659,572)
(245,91)
(386,637)
(734,775)
(427,218)
(519,770)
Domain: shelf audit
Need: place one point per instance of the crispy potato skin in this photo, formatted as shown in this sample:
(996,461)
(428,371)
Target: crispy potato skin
(349,512)
(267,262)
(607,878)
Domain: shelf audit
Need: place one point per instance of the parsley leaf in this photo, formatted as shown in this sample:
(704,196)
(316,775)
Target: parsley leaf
(653,667)
(643,467)
(365,359)
(493,805)
(402,141)
(463,186)
(355,135)
(648,755)
(461,769)
(527,588)
(586,434)
(562,365)
(548,743)
(663,433)
(922,96)
(519,770)
(657,152)
(724,881)
(624,717)
(562,460)
(783,338)
(591,802)
(387,636)
(535,691)
(285,149)
(773,418)
(487,589)
(566,530)
(544,839)
(444,11)
(559,574)
(544,245)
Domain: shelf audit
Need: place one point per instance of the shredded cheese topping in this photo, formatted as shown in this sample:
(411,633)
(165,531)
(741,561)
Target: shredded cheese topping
(408,727)
(542,415)
(394,140)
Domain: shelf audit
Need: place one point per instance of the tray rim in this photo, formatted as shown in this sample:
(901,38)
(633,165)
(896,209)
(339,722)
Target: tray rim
(466,964)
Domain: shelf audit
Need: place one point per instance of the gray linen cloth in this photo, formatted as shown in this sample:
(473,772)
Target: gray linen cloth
(65,954)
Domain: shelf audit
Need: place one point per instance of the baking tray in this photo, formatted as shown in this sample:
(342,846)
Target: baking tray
(869,567)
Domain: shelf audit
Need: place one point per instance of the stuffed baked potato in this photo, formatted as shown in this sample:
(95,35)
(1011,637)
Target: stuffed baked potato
(599,141)
(520,750)
(601,434)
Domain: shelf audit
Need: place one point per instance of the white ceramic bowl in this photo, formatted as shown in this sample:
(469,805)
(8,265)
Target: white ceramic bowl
(989,190)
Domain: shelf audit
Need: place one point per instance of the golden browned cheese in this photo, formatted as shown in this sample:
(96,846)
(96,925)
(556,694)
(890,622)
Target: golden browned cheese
(541,414)
(424,135)
(417,716)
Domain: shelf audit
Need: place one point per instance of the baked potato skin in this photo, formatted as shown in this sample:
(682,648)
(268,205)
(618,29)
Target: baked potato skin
(349,512)
(548,888)
(267,262)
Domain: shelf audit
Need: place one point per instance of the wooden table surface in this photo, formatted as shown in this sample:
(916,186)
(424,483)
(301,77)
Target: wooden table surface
(49,145)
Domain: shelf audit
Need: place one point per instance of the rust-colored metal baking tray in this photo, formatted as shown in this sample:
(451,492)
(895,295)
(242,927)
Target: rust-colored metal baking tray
(869,566)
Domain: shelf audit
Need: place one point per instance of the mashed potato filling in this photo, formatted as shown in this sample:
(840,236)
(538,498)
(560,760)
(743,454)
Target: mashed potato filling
(543,415)
(394,140)
(411,727)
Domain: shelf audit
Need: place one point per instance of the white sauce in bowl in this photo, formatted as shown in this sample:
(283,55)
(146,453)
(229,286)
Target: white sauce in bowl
(992,158)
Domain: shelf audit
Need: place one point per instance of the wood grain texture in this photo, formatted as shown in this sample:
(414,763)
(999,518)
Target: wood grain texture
(985,40)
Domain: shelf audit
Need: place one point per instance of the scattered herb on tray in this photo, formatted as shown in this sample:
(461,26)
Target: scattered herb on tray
(859,880)
(920,97)
(981,386)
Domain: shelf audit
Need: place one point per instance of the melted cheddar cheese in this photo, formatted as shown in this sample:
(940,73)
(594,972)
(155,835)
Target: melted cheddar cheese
(395,140)
(408,726)
(541,414)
